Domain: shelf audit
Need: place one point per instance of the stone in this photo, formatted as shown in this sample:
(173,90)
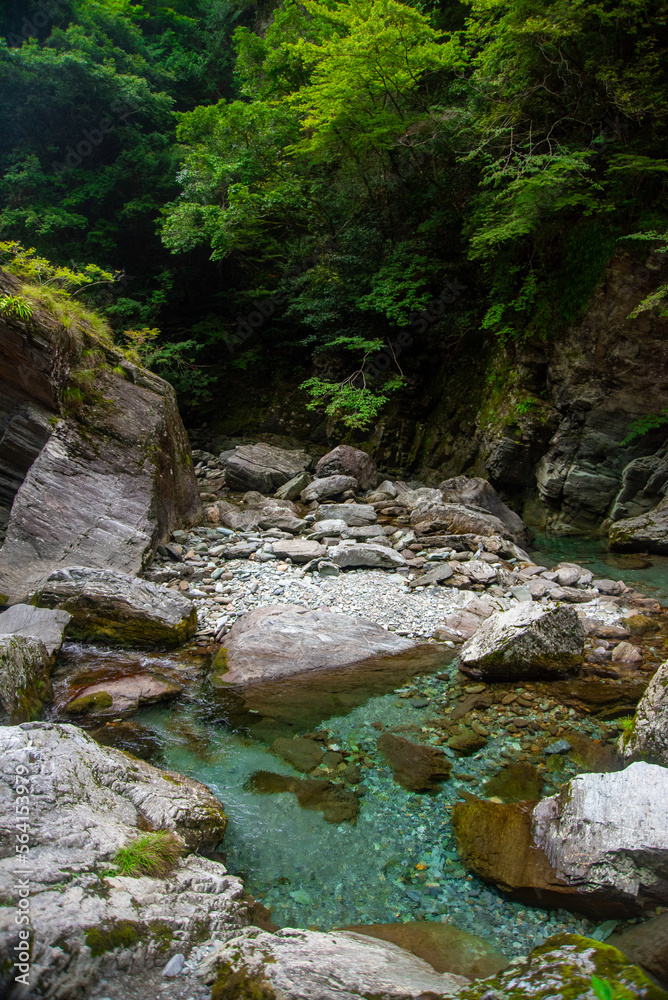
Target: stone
(303,754)
(459,626)
(37,623)
(354,514)
(297,964)
(631,625)
(262,467)
(626,652)
(349,554)
(516,782)
(332,527)
(444,946)
(86,802)
(100,488)
(438,575)
(293,488)
(337,803)
(416,767)
(257,501)
(530,640)
(647,533)
(282,640)
(175,966)
(477,492)
(611,587)
(606,834)
(331,486)
(562,968)
(299,550)
(467,742)
(647,736)
(559,746)
(477,571)
(646,945)
(109,606)
(124,696)
(347,461)
(387,490)
(366,532)
(281,519)
(25,684)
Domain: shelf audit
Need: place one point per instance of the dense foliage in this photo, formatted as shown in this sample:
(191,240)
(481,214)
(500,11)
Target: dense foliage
(333,188)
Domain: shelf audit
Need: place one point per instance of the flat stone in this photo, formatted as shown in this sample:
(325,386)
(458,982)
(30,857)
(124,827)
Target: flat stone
(175,966)
(332,527)
(37,623)
(331,486)
(299,550)
(366,554)
(354,514)
(438,575)
(114,607)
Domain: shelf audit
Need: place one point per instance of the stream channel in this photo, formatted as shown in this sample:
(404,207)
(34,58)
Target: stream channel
(398,862)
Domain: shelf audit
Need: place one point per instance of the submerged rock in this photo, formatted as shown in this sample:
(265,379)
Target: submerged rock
(416,767)
(516,782)
(25,685)
(302,753)
(562,969)
(336,803)
(282,640)
(87,801)
(531,640)
(308,965)
(263,467)
(647,737)
(444,946)
(113,607)
(647,533)
(37,623)
(347,461)
(122,697)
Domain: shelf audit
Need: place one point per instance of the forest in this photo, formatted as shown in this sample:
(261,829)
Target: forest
(304,191)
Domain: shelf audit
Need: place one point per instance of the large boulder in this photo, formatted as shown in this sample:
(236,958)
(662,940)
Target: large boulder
(646,944)
(647,737)
(477,492)
(350,554)
(608,833)
(531,640)
(298,549)
(263,467)
(562,969)
(646,533)
(348,461)
(431,517)
(331,486)
(107,483)
(86,801)
(113,607)
(283,639)
(25,684)
(354,514)
(36,623)
(306,965)
(121,697)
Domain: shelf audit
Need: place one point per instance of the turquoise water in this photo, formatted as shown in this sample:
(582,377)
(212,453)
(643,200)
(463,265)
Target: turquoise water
(651,578)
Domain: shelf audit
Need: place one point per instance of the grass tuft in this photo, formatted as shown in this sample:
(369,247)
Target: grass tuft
(153,854)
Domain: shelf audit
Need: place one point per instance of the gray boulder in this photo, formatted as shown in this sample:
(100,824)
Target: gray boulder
(25,685)
(477,492)
(348,461)
(355,554)
(606,833)
(114,607)
(648,532)
(86,801)
(37,623)
(293,488)
(430,517)
(284,639)
(530,640)
(332,486)
(107,483)
(330,528)
(263,467)
(648,734)
(354,514)
(300,550)
(341,965)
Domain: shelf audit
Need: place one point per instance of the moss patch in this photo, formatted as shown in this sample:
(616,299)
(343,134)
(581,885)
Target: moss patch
(240,985)
(90,703)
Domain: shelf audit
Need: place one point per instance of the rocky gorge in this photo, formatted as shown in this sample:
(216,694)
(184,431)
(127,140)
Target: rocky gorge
(275,725)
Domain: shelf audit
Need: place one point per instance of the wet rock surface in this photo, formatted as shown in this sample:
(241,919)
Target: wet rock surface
(414,766)
(25,684)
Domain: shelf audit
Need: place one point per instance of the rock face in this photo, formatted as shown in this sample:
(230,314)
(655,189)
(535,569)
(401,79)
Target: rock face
(647,945)
(263,467)
(347,461)
(307,965)
(648,533)
(531,640)
(282,640)
(478,492)
(608,833)
(562,969)
(648,735)
(36,623)
(86,801)
(113,607)
(107,484)
(25,684)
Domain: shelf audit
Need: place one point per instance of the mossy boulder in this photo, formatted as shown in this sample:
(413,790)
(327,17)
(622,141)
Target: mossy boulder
(89,704)
(25,685)
(562,969)
(113,607)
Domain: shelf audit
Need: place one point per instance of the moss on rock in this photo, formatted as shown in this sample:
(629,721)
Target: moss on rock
(89,703)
